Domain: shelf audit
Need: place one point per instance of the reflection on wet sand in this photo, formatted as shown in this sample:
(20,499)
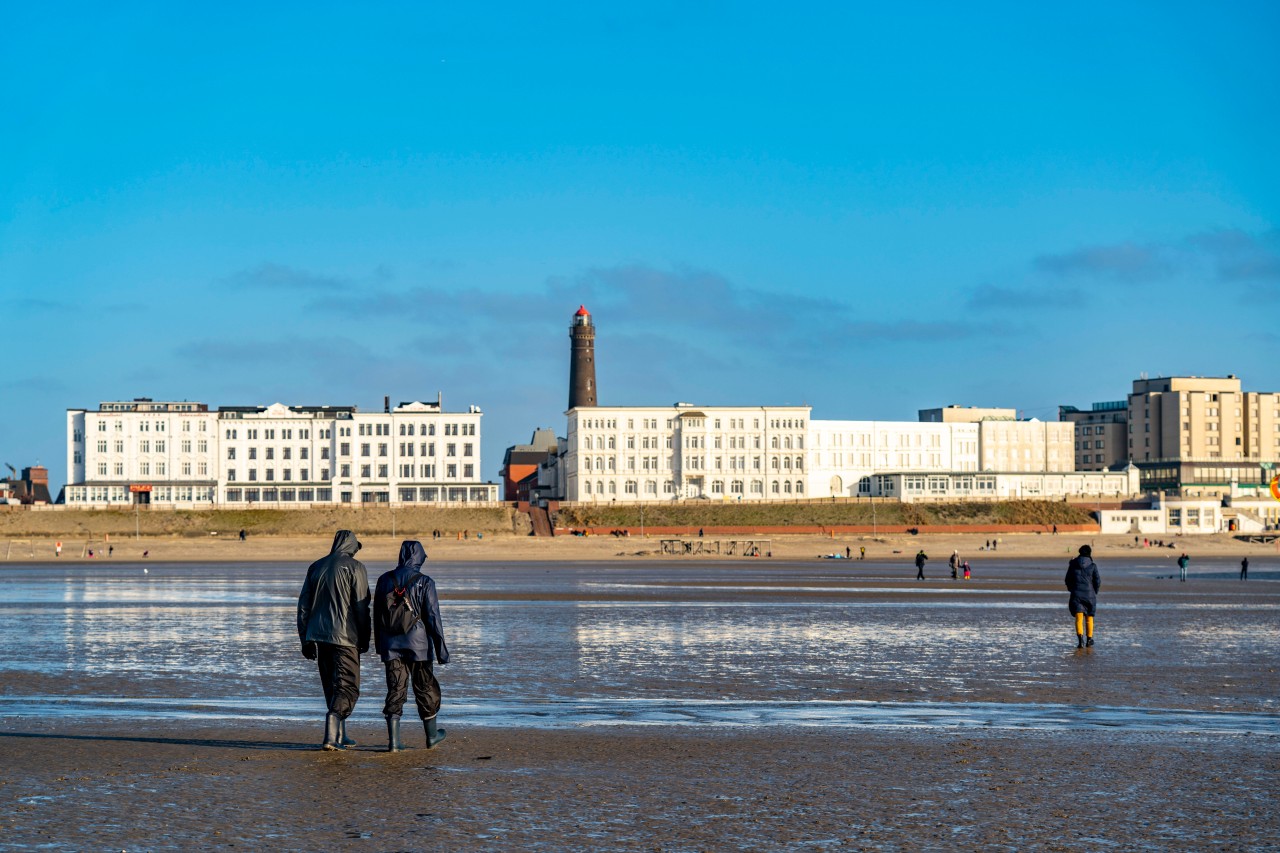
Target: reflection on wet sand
(592,644)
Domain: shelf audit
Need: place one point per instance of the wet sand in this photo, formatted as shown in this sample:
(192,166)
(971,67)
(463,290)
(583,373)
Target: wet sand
(656,706)
(158,788)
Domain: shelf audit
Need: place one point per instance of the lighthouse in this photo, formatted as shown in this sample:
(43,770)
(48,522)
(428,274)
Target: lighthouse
(582,360)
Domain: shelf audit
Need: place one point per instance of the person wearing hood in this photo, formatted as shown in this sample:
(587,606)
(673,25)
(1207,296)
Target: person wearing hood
(409,638)
(333,626)
(1083,581)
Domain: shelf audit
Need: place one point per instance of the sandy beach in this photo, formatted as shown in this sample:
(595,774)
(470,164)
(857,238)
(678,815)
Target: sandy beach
(506,547)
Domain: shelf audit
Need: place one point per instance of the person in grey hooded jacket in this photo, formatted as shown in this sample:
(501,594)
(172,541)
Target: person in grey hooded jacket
(405,592)
(334,628)
(1083,582)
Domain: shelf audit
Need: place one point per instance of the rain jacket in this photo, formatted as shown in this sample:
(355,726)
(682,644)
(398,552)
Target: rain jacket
(1083,581)
(333,606)
(425,641)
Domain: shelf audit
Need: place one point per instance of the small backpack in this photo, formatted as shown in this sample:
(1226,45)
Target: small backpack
(401,617)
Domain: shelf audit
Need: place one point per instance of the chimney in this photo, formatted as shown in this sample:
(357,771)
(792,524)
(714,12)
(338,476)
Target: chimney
(386,404)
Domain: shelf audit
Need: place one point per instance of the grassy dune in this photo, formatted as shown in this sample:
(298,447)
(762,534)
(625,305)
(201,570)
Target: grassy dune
(828,514)
(257,522)
(17,523)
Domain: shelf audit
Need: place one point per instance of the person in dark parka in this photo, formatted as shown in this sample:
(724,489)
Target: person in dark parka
(409,656)
(920,561)
(1083,581)
(334,628)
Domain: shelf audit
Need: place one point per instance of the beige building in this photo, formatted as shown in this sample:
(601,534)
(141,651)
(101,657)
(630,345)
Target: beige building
(1015,446)
(1200,434)
(1006,443)
(965,415)
(1102,439)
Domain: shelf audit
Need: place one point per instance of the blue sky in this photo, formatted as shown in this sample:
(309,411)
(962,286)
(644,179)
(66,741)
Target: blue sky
(867,208)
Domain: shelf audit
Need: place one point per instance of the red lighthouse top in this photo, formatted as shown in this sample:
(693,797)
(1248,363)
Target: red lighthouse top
(582,311)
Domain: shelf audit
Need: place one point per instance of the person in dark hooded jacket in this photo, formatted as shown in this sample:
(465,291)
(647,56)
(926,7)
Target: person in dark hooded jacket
(1083,581)
(408,656)
(334,628)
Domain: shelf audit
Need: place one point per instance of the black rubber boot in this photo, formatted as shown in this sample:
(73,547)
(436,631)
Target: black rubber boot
(434,735)
(393,734)
(332,729)
(1089,642)
(343,740)
(1079,641)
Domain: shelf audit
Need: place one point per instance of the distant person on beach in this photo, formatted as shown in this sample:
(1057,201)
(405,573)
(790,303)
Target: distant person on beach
(1182,566)
(862,552)
(243,535)
(954,562)
(57,549)
(921,558)
(966,569)
(1244,569)
(408,636)
(333,626)
(1083,581)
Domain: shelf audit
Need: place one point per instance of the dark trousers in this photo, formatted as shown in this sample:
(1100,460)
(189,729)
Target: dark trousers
(920,572)
(339,676)
(426,690)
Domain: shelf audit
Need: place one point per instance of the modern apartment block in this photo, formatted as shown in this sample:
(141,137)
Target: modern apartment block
(1202,435)
(182,454)
(1101,436)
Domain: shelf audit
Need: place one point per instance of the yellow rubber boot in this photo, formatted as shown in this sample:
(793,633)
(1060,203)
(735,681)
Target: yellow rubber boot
(1079,630)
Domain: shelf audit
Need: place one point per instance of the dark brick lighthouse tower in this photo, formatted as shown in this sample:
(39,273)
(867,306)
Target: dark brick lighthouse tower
(582,360)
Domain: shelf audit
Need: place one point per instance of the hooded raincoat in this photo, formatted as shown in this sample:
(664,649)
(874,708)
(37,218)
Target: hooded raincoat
(1083,581)
(333,606)
(425,641)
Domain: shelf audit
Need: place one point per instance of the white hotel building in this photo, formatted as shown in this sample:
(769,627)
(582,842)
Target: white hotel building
(684,451)
(777,453)
(182,454)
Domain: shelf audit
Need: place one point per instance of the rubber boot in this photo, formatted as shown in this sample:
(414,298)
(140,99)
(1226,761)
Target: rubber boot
(1079,641)
(332,727)
(343,740)
(1089,642)
(393,733)
(434,735)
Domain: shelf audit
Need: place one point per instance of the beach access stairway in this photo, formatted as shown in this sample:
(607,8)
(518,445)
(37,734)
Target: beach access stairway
(540,518)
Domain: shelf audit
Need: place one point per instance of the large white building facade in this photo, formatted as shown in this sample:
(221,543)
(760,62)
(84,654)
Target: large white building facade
(770,453)
(684,451)
(844,455)
(183,454)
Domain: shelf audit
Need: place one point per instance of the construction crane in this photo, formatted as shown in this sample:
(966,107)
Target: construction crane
(12,470)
